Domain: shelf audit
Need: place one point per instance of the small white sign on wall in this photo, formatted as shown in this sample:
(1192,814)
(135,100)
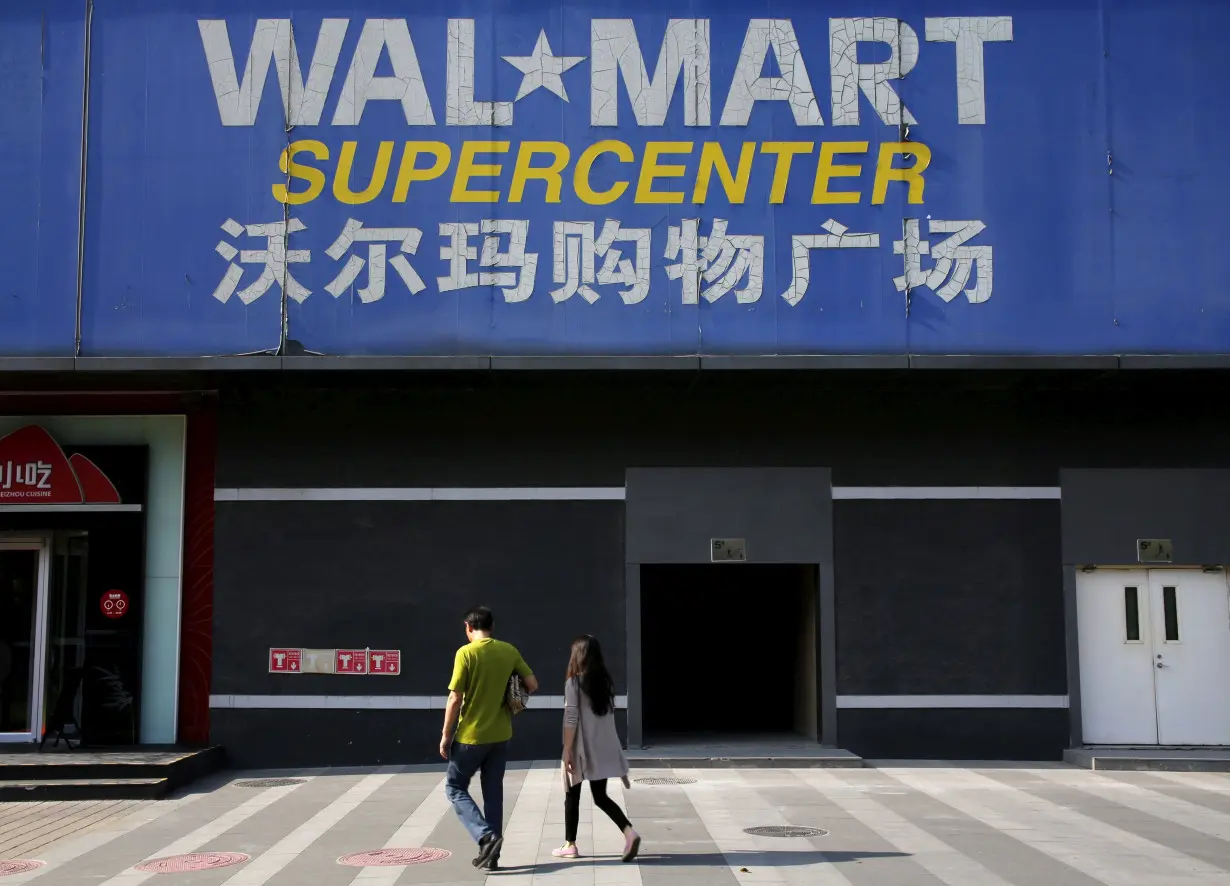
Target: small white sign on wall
(728,550)
(1154,550)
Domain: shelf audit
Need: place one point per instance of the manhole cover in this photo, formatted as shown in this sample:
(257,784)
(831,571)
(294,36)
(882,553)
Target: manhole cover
(18,866)
(269,782)
(193,861)
(786,831)
(384,858)
(665,780)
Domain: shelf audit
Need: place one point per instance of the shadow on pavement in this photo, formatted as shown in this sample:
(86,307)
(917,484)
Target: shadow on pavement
(973,765)
(774,858)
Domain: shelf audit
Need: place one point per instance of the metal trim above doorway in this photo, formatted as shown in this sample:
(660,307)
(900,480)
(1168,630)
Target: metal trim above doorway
(892,493)
(867,702)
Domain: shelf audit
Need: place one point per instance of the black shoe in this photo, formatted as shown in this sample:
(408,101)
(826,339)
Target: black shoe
(488,849)
(482,850)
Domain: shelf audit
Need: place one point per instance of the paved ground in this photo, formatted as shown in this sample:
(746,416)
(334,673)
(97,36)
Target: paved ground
(26,828)
(912,825)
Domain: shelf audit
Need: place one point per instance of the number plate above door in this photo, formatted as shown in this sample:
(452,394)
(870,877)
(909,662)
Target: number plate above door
(726,550)
(1154,550)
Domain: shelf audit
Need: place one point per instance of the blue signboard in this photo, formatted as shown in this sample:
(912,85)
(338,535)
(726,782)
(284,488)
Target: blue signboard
(42,74)
(477,177)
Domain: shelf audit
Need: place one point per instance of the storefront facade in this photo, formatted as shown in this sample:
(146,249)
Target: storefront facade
(98,621)
(916,547)
(860,373)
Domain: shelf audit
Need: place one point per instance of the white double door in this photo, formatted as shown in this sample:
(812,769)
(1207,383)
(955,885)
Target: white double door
(1154,656)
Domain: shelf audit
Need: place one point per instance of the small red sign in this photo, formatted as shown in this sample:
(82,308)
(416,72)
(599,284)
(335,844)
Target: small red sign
(384,661)
(350,661)
(114,604)
(284,661)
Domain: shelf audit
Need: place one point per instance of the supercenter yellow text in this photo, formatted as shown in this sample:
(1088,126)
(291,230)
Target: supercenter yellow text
(538,171)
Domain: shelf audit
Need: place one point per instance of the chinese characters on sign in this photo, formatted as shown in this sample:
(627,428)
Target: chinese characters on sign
(33,475)
(35,471)
(492,252)
(606,204)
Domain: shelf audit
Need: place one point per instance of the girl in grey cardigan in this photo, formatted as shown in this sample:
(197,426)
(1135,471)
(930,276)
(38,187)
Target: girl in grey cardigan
(591,746)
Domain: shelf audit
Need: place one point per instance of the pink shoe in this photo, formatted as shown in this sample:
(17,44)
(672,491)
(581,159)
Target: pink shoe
(565,852)
(632,845)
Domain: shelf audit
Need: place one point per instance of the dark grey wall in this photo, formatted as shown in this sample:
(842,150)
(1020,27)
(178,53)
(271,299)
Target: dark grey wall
(949,598)
(955,734)
(401,575)
(784,514)
(292,573)
(283,739)
(1105,511)
(587,429)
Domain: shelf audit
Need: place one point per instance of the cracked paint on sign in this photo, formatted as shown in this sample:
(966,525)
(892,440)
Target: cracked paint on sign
(615,52)
(872,80)
(365,182)
(969,35)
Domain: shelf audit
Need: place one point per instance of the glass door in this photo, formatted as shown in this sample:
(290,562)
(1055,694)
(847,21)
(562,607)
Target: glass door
(66,634)
(24,566)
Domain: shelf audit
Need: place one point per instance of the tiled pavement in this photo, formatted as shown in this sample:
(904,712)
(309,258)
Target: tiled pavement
(26,828)
(917,825)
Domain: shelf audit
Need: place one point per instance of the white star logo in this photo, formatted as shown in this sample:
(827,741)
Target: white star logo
(542,69)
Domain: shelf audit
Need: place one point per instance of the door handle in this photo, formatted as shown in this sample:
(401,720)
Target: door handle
(1160,665)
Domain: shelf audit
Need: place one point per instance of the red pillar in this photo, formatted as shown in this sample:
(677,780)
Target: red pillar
(197,606)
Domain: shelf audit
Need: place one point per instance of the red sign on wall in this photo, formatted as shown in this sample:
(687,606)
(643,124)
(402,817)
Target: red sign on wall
(351,661)
(284,661)
(384,661)
(114,604)
(34,470)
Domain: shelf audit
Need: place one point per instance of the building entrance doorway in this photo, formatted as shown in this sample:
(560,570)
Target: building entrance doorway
(1154,656)
(70,628)
(728,650)
(23,615)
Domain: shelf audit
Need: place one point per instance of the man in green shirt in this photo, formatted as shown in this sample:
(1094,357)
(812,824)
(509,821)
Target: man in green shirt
(477,728)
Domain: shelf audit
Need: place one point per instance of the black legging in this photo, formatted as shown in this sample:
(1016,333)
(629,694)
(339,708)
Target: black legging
(572,808)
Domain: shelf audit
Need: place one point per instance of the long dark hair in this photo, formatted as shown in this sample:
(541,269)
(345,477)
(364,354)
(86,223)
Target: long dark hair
(587,665)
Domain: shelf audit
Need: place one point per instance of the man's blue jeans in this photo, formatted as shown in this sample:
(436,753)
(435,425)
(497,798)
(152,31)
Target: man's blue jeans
(463,761)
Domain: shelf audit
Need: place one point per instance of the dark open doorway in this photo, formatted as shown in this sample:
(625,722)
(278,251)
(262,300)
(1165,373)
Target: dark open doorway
(729,649)
(75,672)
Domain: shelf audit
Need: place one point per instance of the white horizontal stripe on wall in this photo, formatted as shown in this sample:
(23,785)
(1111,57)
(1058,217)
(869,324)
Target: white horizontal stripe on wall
(952,701)
(368,702)
(556,702)
(600,493)
(848,493)
(426,493)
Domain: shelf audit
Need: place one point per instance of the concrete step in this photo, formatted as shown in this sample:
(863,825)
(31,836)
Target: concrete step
(1150,759)
(84,789)
(727,754)
(102,773)
(651,762)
